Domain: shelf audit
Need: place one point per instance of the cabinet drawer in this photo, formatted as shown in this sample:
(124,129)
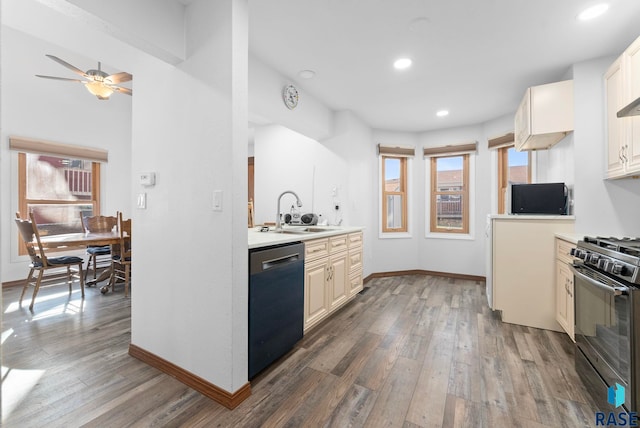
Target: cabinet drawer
(355,239)
(337,243)
(355,260)
(316,248)
(355,283)
(563,250)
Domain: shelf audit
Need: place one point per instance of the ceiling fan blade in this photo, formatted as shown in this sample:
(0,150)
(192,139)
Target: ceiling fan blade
(59,78)
(69,66)
(118,77)
(122,90)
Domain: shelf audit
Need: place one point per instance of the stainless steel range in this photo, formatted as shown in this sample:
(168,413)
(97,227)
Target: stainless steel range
(607,316)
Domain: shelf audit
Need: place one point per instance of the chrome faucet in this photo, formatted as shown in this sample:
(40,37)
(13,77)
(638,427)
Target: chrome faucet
(278,222)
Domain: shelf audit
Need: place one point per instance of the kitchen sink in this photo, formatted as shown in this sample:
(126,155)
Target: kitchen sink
(305,230)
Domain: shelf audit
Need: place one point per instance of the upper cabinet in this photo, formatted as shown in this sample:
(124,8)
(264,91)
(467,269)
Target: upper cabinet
(622,86)
(545,116)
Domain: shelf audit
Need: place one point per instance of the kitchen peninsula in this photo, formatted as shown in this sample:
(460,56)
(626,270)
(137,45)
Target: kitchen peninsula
(521,267)
(332,265)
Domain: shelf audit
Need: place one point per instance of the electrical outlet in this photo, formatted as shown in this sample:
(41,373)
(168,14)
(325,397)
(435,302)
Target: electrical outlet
(337,206)
(217,200)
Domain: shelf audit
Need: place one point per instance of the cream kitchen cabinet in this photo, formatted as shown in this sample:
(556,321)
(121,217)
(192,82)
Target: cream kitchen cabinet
(355,263)
(616,127)
(316,296)
(565,310)
(332,274)
(622,86)
(544,116)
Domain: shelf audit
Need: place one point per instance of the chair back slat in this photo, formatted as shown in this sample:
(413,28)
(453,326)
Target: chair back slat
(99,223)
(29,231)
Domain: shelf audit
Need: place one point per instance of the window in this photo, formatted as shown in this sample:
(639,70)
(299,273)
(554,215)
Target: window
(449,200)
(57,189)
(513,167)
(394,194)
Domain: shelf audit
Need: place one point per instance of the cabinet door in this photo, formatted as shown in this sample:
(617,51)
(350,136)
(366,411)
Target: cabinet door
(339,279)
(315,292)
(563,275)
(632,78)
(522,122)
(615,126)
(571,311)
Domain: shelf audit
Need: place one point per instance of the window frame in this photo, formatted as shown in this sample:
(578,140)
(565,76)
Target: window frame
(465,194)
(404,185)
(24,202)
(503,175)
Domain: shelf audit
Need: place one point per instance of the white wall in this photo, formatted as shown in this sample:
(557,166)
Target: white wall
(393,254)
(465,256)
(311,117)
(191,130)
(287,160)
(194,260)
(353,142)
(603,207)
(61,112)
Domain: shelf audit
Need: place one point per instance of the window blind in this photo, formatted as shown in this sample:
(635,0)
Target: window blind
(398,151)
(451,149)
(30,145)
(502,141)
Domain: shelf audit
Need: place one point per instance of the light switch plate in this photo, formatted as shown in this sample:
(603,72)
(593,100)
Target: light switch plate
(142,201)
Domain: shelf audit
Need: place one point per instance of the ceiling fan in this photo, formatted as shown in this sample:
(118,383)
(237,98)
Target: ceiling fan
(99,83)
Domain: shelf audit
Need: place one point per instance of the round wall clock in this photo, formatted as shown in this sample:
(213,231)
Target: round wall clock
(290,96)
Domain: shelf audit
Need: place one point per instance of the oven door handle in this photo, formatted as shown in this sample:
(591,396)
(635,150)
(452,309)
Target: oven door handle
(616,291)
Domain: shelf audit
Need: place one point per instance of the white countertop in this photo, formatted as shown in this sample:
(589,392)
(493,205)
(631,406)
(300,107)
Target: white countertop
(571,237)
(531,217)
(259,239)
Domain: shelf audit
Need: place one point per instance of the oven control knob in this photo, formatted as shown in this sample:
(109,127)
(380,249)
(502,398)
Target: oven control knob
(583,255)
(593,258)
(603,264)
(617,269)
(574,252)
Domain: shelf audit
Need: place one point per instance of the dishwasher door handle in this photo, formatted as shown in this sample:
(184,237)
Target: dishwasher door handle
(270,264)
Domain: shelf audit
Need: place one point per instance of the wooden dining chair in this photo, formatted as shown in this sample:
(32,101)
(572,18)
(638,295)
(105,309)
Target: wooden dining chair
(121,256)
(99,256)
(41,263)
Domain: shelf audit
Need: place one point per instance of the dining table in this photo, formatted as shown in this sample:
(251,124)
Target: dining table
(79,239)
(82,239)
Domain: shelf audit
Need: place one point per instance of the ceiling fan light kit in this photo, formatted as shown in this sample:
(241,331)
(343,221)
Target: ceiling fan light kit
(98,82)
(99,89)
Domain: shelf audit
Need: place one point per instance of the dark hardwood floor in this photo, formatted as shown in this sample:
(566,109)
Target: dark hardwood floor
(410,351)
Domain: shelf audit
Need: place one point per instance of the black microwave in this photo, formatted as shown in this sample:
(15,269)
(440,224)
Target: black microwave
(539,198)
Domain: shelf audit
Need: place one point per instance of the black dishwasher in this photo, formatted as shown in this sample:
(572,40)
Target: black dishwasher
(276,303)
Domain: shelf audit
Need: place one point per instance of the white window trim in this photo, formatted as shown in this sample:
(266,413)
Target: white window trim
(396,235)
(472,204)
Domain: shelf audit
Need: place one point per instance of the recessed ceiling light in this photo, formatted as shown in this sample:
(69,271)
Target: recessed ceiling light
(593,11)
(442,113)
(402,63)
(307,74)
